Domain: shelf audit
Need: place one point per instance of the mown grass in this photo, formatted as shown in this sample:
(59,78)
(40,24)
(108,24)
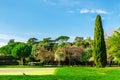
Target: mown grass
(24,66)
(85,73)
(73,73)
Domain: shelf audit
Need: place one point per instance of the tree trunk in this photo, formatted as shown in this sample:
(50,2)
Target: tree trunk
(118,64)
(110,63)
(21,63)
(59,62)
(69,61)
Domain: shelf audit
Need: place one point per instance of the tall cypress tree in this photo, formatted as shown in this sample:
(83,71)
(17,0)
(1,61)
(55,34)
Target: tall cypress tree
(99,52)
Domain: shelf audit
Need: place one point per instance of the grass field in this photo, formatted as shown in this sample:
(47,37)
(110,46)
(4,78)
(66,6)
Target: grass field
(21,66)
(27,71)
(70,73)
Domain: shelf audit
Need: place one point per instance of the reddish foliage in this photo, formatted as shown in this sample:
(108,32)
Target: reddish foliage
(73,52)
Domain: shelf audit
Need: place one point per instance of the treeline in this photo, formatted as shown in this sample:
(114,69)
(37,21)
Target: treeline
(61,52)
(48,51)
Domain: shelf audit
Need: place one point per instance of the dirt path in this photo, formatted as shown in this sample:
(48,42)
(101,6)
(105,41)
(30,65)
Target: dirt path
(27,71)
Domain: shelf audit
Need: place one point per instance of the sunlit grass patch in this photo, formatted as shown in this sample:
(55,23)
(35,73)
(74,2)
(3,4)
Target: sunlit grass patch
(27,71)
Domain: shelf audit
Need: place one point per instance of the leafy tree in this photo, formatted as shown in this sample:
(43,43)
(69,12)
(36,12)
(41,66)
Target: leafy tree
(22,51)
(69,54)
(39,52)
(79,41)
(32,41)
(73,53)
(48,44)
(99,54)
(11,41)
(62,39)
(88,43)
(87,53)
(113,45)
(44,56)
(43,50)
(7,49)
(34,49)
(59,56)
(63,44)
(47,39)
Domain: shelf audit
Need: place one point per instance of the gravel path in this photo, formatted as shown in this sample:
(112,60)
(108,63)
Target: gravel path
(27,71)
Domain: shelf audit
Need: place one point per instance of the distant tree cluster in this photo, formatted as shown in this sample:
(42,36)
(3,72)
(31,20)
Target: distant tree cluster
(60,51)
(48,51)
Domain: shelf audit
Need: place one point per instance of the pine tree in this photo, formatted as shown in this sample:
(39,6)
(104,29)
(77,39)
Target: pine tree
(99,52)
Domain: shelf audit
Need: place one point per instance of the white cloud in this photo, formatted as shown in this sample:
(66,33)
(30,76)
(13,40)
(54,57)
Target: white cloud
(2,44)
(84,11)
(6,37)
(98,11)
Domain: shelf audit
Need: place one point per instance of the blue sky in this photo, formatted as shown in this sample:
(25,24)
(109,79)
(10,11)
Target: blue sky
(22,19)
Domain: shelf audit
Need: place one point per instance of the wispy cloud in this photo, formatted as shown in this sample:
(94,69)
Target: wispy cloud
(62,2)
(98,11)
(4,38)
(70,2)
(70,11)
(49,2)
(84,11)
(2,44)
(7,37)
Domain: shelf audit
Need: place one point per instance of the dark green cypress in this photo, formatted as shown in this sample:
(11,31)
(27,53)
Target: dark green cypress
(99,51)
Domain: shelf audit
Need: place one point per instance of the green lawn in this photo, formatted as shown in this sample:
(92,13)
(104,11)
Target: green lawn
(85,73)
(23,66)
(73,73)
